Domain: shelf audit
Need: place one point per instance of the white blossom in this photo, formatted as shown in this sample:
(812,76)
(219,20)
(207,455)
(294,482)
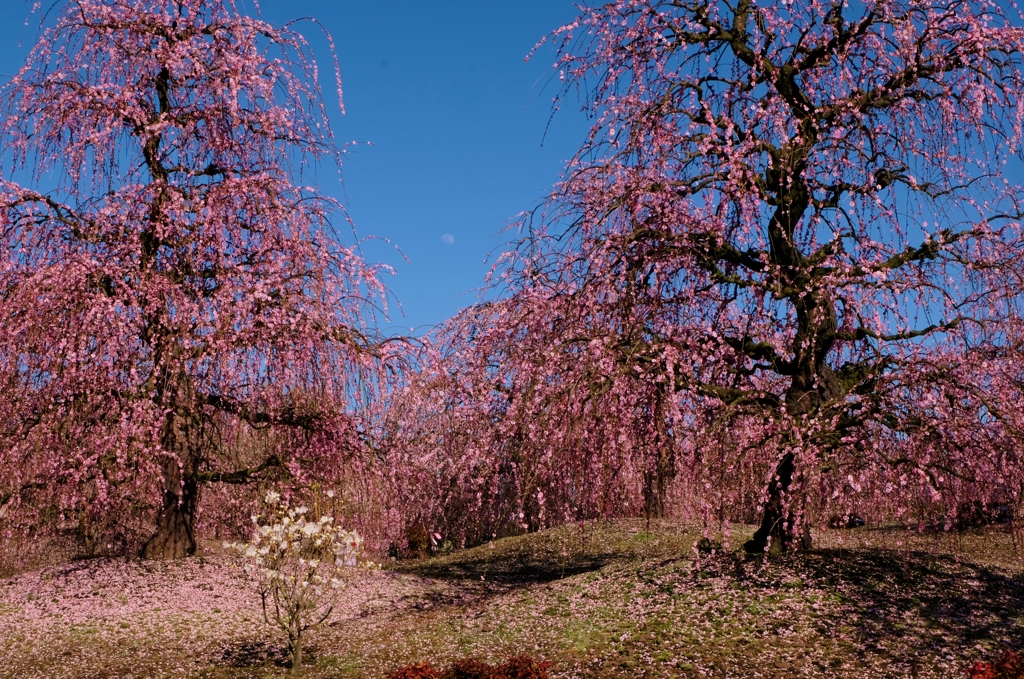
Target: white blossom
(302,564)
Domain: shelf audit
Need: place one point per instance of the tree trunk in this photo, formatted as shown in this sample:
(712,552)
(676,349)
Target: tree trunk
(657,479)
(296,648)
(782,515)
(174,538)
(812,380)
(656,486)
(85,531)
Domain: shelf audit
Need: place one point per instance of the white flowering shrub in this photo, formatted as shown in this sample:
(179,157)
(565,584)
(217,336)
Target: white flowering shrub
(302,564)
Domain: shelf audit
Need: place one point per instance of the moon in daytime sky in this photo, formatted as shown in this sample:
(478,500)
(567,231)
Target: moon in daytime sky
(447,239)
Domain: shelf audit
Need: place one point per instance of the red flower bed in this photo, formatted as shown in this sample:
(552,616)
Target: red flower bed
(520,667)
(1010,665)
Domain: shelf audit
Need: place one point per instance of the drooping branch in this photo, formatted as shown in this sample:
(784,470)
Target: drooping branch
(240,476)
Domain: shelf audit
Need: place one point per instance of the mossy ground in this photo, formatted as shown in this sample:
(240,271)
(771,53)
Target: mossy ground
(620,599)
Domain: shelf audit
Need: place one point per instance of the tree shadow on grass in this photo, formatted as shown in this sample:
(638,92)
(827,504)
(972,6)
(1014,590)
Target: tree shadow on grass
(472,581)
(255,654)
(539,558)
(507,572)
(923,603)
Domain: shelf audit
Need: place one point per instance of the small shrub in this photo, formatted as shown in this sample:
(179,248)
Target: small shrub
(471,669)
(302,565)
(423,670)
(1010,665)
(519,667)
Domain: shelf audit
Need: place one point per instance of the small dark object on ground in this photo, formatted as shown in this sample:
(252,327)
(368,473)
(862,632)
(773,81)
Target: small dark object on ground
(847,521)
(519,667)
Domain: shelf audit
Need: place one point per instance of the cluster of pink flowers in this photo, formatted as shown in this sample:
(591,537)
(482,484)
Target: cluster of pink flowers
(782,278)
(179,283)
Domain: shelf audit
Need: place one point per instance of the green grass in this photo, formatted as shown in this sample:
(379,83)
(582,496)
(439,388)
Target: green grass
(636,602)
(626,599)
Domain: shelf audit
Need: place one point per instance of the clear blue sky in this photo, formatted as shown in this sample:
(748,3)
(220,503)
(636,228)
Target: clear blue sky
(457,121)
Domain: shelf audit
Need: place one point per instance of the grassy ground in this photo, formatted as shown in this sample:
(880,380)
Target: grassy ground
(616,600)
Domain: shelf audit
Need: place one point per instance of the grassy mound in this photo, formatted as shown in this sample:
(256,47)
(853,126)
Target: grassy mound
(612,600)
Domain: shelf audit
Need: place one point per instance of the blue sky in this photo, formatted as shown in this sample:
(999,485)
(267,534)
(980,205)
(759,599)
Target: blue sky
(457,123)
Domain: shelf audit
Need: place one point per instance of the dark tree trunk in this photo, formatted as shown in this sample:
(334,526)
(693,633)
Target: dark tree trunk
(85,531)
(664,467)
(174,537)
(782,517)
(657,481)
(812,381)
(654,495)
